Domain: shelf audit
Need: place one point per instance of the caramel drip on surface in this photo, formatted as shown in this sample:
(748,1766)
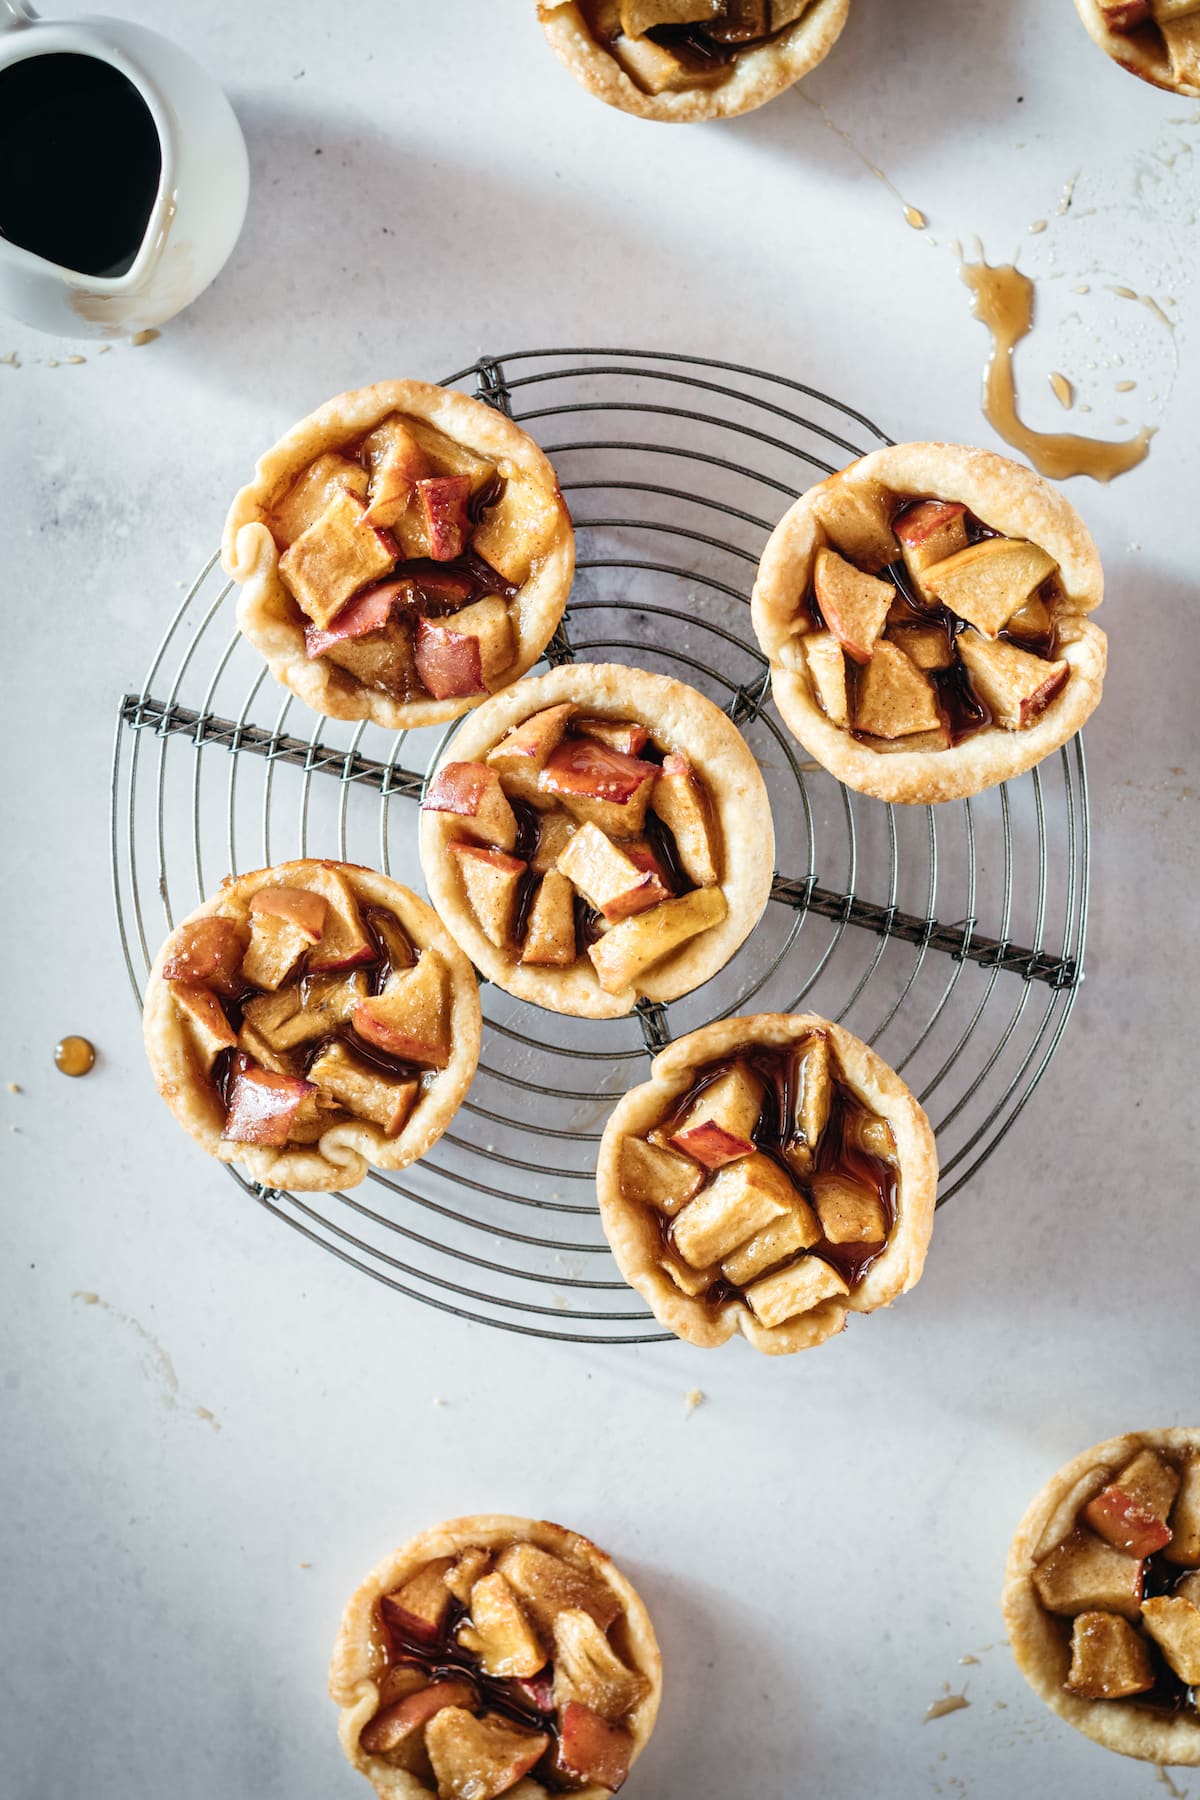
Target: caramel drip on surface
(1003,301)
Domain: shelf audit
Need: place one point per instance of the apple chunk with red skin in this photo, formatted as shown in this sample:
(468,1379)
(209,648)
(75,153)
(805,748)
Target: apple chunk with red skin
(627,950)
(408,1019)
(344,943)
(720,1126)
(338,554)
(395,1726)
(929,532)
(397,463)
(363,1090)
(473,793)
(492,881)
(521,754)
(1015,684)
(460,656)
(262,1106)
(208,953)
(624,735)
(599,786)
(679,801)
(854,605)
(1125,1523)
(590,1749)
(284,922)
(206,1018)
(443,499)
(366,612)
(607,878)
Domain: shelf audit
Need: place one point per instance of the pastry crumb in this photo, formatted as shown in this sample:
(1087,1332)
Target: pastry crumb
(76,359)
(11,359)
(14,1087)
(144,337)
(949,1703)
(691,1400)
(306,1565)
(1038,226)
(104,350)
(438,1401)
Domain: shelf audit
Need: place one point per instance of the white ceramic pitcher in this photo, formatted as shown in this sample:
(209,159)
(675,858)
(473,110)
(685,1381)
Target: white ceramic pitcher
(202,191)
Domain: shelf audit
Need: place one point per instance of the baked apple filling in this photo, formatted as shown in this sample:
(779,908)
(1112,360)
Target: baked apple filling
(667,45)
(312,1011)
(504,1664)
(770,1181)
(403,552)
(924,625)
(1167,30)
(582,838)
(1125,1582)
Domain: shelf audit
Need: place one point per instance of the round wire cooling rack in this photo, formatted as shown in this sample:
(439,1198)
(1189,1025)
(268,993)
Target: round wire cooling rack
(951,938)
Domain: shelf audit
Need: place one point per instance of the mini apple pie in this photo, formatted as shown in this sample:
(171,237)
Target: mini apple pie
(595,835)
(403,552)
(495,1655)
(1102,1595)
(771,1177)
(313,1021)
(1156,39)
(925,617)
(679,60)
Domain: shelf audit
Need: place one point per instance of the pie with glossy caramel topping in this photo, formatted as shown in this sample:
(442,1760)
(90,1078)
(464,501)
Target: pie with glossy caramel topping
(1158,40)
(595,835)
(1102,1595)
(495,1655)
(772,1177)
(925,617)
(679,60)
(312,1021)
(403,553)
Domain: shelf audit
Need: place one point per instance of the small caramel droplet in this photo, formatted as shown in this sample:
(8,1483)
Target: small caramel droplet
(1063,391)
(914,217)
(74,1055)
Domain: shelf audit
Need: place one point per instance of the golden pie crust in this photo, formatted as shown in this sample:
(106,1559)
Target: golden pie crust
(1143,53)
(344,1153)
(1038,1642)
(1014,501)
(271,619)
(758,74)
(633,1231)
(679,719)
(356,1663)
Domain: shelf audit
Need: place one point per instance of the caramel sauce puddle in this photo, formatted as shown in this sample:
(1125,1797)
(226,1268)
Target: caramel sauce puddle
(1003,301)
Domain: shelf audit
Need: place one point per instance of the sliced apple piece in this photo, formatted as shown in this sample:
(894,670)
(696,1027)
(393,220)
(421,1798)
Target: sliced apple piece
(1182,39)
(276,946)
(472,791)
(739,1200)
(741,21)
(599,786)
(635,945)
(469,1566)
(689,1281)
(550,930)
(394,1727)
(1109,1661)
(298,906)
(418,1607)
(557,830)
(1084,1574)
(208,953)
(1031,621)
(1174,1624)
(827,672)
(364,1090)
(443,499)
(521,754)
(590,1751)
(397,462)
(1185,1516)
(895,699)
(449,457)
(930,532)
(408,1019)
(794,1290)
(854,605)
(719,1127)
(466,652)
(926,646)
(619,734)
(850,1212)
(658,1177)
(657,70)
(1016,685)
(1131,1512)
(369,612)
(864,1131)
(335,557)
(286,1018)
(856,519)
(500,1634)
(263,1106)
(810,1098)
(547,1585)
(775,1243)
(344,943)
(607,878)
(311,493)
(517,530)
(987,582)
(492,883)
(210,1029)
(680,802)
(637,16)
(477,1759)
(588,1669)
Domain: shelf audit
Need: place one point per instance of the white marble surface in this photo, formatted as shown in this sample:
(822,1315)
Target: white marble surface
(822,1542)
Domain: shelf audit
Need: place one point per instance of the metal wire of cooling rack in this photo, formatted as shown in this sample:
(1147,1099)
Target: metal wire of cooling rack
(951,939)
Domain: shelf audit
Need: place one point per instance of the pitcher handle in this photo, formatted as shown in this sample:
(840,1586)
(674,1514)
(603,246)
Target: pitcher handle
(14,14)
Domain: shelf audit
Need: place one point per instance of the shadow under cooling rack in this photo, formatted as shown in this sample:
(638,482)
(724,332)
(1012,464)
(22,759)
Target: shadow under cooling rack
(951,938)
